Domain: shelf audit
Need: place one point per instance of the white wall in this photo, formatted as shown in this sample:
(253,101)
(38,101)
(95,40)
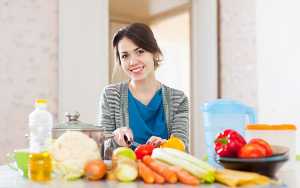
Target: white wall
(237,46)
(83,56)
(204,66)
(28,66)
(174,71)
(278,60)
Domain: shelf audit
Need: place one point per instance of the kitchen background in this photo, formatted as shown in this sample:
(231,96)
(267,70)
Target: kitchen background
(59,50)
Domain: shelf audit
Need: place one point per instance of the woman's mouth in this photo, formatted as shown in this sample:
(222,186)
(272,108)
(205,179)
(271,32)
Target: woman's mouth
(137,69)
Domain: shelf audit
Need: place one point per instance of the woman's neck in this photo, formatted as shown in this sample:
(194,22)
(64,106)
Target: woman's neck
(144,86)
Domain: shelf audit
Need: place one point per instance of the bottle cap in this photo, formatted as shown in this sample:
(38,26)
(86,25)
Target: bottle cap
(41,102)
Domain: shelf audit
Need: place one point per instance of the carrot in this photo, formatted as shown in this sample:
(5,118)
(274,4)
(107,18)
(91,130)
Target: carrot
(158,178)
(164,171)
(184,177)
(145,172)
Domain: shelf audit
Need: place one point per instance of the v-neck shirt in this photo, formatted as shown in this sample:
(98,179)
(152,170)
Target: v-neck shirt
(147,120)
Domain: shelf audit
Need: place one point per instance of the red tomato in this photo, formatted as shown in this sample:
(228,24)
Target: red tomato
(252,151)
(95,169)
(142,150)
(262,143)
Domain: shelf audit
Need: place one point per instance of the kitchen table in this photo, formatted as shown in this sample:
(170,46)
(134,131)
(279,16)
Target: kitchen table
(11,179)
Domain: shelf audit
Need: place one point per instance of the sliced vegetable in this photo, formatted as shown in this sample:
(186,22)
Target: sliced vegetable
(164,171)
(143,149)
(174,142)
(191,164)
(124,152)
(125,169)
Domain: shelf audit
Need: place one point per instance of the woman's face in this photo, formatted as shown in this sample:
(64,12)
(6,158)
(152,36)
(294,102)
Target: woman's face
(136,62)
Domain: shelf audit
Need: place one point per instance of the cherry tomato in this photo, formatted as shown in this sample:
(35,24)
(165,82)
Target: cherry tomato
(264,144)
(252,151)
(142,150)
(95,169)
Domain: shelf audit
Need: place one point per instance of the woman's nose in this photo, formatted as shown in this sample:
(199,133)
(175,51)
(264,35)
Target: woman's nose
(132,60)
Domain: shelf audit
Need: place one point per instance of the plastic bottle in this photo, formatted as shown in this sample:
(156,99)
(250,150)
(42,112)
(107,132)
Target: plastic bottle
(40,125)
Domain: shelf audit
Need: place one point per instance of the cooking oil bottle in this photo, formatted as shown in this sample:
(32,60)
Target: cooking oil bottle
(40,125)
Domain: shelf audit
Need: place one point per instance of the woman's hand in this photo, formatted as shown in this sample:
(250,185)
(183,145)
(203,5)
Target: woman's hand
(123,136)
(155,141)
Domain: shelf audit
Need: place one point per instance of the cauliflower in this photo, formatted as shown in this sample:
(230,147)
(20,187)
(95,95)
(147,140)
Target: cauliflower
(71,151)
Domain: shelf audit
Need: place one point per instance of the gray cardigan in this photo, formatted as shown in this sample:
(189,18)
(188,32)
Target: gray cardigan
(113,112)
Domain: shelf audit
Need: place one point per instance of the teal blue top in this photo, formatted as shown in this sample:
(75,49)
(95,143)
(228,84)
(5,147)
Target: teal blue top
(147,120)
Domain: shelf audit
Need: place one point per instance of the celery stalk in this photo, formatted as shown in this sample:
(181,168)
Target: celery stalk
(190,158)
(199,169)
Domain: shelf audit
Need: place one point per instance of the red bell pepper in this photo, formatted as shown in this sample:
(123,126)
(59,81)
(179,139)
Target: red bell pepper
(228,143)
(143,149)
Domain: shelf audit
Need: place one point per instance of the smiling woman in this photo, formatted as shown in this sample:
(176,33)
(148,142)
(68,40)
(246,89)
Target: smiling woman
(141,109)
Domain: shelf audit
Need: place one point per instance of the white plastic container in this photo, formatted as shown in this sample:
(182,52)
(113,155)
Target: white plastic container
(280,134)
(40,126)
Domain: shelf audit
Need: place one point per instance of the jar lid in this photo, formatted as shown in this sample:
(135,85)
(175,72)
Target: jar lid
(271,127)
(73,124)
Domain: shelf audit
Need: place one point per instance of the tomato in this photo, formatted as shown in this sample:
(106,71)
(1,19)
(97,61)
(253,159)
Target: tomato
(264,144)
(252,151)
(94,169)
(142,150)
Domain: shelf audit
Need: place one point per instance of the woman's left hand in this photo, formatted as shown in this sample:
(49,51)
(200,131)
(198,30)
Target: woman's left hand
(155,141)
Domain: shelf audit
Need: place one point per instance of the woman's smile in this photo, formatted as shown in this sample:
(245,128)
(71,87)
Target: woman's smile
(137,68)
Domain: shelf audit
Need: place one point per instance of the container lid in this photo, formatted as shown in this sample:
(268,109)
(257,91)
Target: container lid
(73,124)
(290,127)
(225,106)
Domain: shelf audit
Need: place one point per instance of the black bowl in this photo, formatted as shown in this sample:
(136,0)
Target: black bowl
(266,166)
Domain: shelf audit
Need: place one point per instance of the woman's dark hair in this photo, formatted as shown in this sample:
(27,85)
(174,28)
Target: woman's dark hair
(142,36)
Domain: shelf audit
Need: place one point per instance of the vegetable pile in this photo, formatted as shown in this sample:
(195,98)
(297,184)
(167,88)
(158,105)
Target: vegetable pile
(76,155)
(230,143)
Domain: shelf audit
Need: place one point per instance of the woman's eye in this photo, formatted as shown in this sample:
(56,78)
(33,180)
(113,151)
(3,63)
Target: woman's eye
(139,52)
(124,56)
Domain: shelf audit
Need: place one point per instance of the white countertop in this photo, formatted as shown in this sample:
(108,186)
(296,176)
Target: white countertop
(11,179)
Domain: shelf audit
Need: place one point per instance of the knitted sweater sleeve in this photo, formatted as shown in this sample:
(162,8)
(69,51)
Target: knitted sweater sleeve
(180,121)
(106,119)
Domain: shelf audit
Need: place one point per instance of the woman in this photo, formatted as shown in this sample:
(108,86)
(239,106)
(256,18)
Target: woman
(141,109)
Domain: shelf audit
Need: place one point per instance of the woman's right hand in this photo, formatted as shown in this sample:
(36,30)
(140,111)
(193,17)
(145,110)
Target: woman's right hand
(123,136)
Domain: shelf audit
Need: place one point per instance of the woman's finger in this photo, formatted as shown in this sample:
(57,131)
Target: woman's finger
(122,140)
(152,140)
(118,138)
(157,142)
(129,135)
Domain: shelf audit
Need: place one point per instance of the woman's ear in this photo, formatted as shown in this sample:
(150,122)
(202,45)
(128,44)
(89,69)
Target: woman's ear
(156,58)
